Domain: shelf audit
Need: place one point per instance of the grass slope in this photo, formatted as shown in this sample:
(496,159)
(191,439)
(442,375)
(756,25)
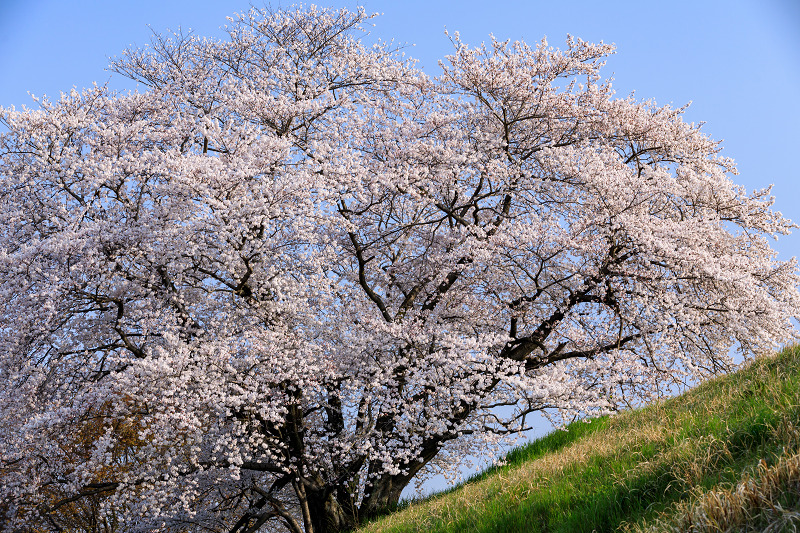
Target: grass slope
(725,456)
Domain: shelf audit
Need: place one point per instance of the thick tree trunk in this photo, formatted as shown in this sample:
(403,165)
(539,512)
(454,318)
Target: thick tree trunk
(336,512)
(383,496)
(328,515)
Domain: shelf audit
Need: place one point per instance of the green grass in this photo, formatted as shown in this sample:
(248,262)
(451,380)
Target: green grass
(722,457)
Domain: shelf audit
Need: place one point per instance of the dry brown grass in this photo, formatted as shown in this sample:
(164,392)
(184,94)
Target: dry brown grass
(763,502)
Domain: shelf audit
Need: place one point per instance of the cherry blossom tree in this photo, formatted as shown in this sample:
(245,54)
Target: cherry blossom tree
(296,273)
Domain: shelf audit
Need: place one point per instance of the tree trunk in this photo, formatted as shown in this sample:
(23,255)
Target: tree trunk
(328,515)
(332,514)
(383,496)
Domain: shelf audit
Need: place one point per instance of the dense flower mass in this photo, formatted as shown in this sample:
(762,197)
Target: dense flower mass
(297,273)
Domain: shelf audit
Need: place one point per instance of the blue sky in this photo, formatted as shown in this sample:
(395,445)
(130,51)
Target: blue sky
(737,61)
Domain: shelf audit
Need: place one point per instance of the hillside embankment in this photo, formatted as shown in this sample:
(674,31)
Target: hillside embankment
(724,456)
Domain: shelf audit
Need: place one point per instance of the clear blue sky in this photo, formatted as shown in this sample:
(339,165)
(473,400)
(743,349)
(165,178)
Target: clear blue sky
(737,61)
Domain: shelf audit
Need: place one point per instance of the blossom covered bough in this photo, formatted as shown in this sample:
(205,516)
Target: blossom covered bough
(296,273)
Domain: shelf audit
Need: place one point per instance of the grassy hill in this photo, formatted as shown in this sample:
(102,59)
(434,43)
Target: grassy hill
(723,457)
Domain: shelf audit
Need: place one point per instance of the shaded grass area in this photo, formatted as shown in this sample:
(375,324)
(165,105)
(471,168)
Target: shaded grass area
(722,457)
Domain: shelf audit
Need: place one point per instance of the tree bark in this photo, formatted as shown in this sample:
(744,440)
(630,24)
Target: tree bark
(328,515)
